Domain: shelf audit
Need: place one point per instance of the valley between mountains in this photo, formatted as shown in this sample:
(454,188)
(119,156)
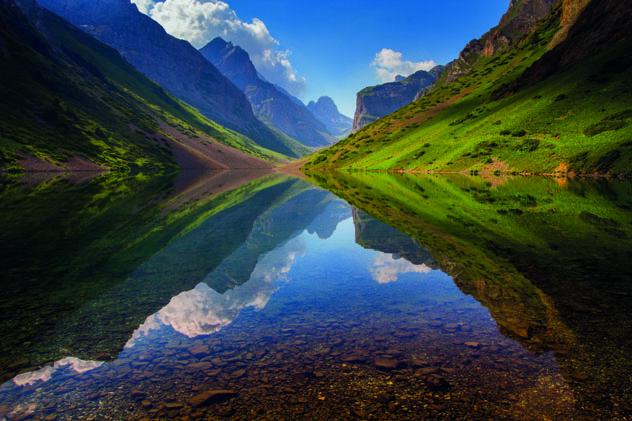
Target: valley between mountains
(98,85)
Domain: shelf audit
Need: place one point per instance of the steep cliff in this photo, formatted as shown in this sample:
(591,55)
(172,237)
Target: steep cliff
(377,101)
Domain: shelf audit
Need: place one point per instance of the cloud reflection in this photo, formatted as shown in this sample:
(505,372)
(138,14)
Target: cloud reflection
(203,311)
(386,268)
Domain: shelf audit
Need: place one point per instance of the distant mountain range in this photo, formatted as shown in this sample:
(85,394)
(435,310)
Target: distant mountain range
(375,102)
(269,102)
(174,64)
(326,111)
(546,91)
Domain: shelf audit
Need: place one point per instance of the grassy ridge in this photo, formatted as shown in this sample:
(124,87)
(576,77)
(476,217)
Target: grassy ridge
(64,94)
(579,119)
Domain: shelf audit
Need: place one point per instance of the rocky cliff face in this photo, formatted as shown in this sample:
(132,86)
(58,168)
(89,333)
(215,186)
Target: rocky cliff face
(172,63)
(586,27)
(270,103)
(326,111)
(519,20)
(377,101)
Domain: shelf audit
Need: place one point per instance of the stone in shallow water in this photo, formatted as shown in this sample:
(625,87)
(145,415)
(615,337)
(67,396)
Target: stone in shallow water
(422,372)
(437,383)
(212,396)
(202,365)
(356,357)
(386,363)
(238,373)
(199,350)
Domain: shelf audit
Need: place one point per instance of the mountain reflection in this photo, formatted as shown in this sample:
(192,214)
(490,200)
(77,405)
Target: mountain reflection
(549,260)
(178,275)
(203,311)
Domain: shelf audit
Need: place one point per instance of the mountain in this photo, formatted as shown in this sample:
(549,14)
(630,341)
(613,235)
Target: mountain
(70,102)
(375,102)
(547,91)
(172,63)
(374,234)
(270,103)
(326,111)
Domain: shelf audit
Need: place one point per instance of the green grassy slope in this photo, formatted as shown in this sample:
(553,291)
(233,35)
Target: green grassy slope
(576,118)
(64,94)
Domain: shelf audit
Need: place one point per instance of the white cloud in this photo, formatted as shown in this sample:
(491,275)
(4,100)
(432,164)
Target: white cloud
(390,63)
(199,21)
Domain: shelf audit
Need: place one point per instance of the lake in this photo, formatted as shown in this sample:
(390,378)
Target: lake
(346,296)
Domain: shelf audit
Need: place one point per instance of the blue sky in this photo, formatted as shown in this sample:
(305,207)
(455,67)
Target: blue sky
(332,43)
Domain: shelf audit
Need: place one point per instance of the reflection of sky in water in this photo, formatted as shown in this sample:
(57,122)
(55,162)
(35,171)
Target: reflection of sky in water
(320,274)
(204,311)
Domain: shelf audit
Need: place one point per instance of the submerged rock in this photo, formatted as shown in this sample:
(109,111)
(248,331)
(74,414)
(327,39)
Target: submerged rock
(387,363)
(212,396)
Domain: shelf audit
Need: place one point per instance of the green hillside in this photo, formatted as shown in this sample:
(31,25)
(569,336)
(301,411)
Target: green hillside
(537,106)
(67,96)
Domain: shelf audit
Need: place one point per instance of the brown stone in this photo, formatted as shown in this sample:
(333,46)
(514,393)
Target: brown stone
(386,363)
(202,365)
(425,371)
(212,396)
(238,373)
(199,350)
(354,358)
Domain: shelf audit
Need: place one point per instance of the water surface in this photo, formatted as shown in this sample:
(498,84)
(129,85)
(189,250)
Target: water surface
(249,295)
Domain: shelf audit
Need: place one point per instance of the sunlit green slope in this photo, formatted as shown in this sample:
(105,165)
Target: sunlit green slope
(538,106)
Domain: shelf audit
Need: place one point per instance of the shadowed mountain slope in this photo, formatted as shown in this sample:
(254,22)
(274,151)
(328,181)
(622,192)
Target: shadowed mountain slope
(172,63)
(270,103)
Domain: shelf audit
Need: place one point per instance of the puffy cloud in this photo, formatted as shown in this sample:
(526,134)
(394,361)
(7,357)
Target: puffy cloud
(390,63)
(386,268)
(199,21)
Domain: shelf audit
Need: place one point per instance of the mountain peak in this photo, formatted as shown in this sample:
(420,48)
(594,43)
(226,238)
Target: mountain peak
(326,110)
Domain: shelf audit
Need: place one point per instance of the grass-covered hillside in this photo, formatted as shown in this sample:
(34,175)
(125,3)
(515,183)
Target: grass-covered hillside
(68,101)
(555,98)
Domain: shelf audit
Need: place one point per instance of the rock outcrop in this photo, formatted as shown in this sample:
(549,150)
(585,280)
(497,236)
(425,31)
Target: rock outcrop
(377,101)
(520,19)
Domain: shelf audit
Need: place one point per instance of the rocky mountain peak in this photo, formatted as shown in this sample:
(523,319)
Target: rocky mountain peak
(519,20)
(326,110)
